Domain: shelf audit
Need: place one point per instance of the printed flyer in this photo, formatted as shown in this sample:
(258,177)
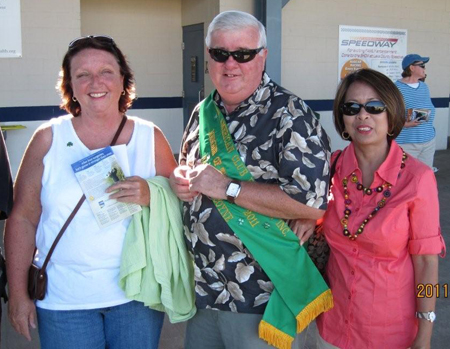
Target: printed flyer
(96,173)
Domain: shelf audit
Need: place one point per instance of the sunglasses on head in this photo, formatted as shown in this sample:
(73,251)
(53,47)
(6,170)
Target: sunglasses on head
(101,38)
(422,65)
(240,56)
(372,107)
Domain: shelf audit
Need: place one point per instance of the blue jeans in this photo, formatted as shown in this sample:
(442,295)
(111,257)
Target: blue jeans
(128,326)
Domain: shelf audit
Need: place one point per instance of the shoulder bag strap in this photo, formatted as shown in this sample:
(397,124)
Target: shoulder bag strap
(75,210)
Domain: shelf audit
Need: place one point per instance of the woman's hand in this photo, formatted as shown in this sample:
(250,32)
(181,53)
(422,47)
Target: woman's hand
(412,123)
(22,315)
(133,189)
(303,228)
(179,182)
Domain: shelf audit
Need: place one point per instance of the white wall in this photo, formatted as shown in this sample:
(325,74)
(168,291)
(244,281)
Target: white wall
(47,28)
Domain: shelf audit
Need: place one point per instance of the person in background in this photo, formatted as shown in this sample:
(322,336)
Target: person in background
(84,306)
(418,137)
(382,226)
(251,152)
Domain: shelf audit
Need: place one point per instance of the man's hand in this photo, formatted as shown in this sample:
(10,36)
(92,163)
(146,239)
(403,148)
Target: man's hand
(209,181)
(179,182)
(303,228)
(22,315)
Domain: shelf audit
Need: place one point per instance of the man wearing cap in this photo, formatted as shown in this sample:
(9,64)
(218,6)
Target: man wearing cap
(253,155)
(418,137)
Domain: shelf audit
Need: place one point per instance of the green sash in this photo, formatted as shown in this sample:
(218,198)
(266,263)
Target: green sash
(300,293)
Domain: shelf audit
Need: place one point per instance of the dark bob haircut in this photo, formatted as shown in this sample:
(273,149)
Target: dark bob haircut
(385,89)
(103,43)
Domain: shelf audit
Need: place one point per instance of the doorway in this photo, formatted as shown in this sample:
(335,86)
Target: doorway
(193,68)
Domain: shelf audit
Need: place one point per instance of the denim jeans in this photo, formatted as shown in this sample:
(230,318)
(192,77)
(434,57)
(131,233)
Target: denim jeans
(127,326)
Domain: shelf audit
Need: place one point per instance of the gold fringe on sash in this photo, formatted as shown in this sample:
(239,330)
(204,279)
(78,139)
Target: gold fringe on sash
(321,304)
(274,336)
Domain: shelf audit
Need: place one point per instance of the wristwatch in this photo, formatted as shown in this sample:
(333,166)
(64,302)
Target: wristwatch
(233,190)
(430,316)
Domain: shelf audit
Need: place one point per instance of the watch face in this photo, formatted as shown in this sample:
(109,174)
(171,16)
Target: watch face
(432,316)
(233,189)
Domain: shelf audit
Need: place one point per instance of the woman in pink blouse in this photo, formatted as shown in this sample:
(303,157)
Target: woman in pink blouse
(382,225)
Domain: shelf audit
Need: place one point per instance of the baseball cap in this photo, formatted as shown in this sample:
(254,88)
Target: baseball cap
(411,58)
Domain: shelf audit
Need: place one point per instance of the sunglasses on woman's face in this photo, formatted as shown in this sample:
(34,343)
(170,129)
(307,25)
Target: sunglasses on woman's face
(101,38)
(372,107)
(240,56)
(422,65)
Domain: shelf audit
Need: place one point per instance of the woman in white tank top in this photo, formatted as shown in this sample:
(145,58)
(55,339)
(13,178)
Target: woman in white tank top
(84,306)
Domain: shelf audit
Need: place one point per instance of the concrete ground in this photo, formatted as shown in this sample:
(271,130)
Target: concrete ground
(173,335)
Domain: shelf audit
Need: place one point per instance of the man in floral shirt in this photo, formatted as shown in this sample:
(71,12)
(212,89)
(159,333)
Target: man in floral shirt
(284,147)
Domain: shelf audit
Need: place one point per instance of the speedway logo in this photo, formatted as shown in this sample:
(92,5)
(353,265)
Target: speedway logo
(370,42)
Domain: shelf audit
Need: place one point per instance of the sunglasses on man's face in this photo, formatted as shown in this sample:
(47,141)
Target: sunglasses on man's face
(422,65)
(372,107)
(100,38)
(240,56)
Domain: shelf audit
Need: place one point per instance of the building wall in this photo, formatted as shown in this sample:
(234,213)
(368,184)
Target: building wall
(310,32)
(148,32)
(150,35)
(47,29)
(203,11)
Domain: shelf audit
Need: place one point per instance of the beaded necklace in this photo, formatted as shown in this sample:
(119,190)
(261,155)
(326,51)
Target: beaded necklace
(347,211)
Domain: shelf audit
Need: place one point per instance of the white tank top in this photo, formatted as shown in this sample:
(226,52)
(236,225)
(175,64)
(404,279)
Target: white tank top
(83,271)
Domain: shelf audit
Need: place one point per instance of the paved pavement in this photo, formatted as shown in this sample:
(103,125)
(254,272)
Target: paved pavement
(173,335)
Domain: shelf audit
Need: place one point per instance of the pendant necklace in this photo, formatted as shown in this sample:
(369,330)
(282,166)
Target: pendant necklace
(384,188)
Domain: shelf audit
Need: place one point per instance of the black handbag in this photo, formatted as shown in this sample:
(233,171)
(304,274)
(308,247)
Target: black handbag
(37,277)
(317,248)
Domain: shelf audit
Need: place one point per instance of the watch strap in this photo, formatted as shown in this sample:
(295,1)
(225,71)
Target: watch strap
(430,315)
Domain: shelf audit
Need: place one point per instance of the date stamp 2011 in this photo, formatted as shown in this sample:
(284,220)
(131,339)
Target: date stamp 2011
(431,291)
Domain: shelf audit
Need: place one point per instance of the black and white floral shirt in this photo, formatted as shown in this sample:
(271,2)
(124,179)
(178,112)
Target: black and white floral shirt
(281,142)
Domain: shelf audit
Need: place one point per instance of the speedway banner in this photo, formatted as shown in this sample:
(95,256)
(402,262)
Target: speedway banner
(381,49)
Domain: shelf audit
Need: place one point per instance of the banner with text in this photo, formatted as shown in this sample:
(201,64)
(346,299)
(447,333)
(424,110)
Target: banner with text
(10,30)
(381,49)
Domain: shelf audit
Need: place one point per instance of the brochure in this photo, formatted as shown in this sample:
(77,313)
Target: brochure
(421,115)
(96,173)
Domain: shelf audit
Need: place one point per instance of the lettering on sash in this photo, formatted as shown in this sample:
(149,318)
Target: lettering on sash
(284,228)
(240,166)
(229,145)
(223,210)
(251,218)
(217,161)
(213,142)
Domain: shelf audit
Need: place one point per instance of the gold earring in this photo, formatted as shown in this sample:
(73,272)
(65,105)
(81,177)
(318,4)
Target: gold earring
(74,99)
(345,135)
(123,93)
(390,134)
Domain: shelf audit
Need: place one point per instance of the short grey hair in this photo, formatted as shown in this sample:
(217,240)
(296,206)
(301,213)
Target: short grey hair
(233,21)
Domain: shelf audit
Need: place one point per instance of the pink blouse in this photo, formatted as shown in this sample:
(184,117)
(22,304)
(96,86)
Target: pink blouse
(372,278)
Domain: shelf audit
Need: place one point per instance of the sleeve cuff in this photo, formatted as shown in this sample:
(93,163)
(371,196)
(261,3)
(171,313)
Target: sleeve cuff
(431,245)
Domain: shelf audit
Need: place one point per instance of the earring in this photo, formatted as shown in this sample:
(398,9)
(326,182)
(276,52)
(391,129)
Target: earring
(74,99)
(345,135)
(123,93)
(390,134)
